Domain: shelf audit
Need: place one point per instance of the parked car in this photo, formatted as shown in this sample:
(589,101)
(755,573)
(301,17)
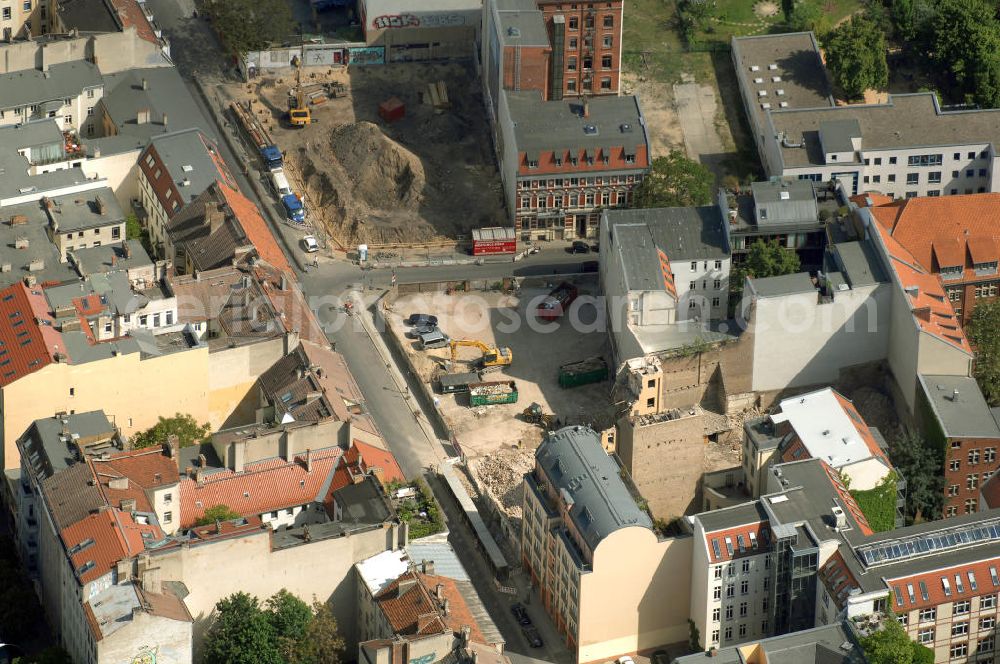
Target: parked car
(422,319)
(435,339)
(520,614)
(533,637)
(418,331)
(579,247)
(660,657)
(625,659)
(280,183)
(310,244)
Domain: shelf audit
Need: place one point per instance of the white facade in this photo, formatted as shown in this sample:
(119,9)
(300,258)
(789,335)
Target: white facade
(702,287)
(75,115)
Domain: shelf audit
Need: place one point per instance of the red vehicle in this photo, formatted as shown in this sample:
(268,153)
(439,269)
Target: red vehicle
(557,302)
(495,240)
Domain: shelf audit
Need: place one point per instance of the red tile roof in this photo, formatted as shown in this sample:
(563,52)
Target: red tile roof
(28,341)
(96,543)
(862,200)
(459,613)
(369,458)
(837,578)
(668,275)
(928,302)
(131,15)
(980,570)
(262,487)
(760,535)
(412,612)
(139,470)
(991,492)
(257,229)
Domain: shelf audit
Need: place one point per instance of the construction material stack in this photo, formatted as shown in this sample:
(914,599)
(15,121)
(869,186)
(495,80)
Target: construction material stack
(257,135)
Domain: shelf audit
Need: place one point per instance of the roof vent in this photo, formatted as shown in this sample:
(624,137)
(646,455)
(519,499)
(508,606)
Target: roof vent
(839,518)
(513,32)
(784,195)
(776,79)
(754,68)
(187,168)
(626,128)
(772,67)
(590,129)
(765,106)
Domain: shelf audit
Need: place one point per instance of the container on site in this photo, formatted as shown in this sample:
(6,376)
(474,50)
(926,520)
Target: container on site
(492,393)
(584,372)
(392,109)
(457,382)
(493,240)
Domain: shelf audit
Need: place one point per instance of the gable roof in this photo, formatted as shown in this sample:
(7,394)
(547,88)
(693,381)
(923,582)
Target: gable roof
(256,229)
(97,542)
(371,459)
(28,341)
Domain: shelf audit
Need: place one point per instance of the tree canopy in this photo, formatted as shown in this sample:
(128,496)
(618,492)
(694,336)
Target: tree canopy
(767,259)
(675,181)
(965,43)
(891,645)
(984,333)
(185,427)
(855,56)
(250,25)
(217,513)
(920,465)
(282,630)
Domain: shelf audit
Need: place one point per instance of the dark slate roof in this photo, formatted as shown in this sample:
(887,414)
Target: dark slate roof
(48,450)
(71,496)
(968,415)
(859,262)
(728,517)
(61,81)
(190,159)
(683,233)
(166,93)
(364,502)
(589,482)
(208,232)
(819,645)
(559,125)
(87,16)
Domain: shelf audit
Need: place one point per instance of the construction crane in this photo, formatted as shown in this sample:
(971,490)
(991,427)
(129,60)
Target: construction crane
(298,111)
(492,356)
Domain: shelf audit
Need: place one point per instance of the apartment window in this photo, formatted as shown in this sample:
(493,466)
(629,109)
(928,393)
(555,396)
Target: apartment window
(168,498)
(926,635)
(743,630)
(731,587)
(876,179)
(924,160)
(715,301)
(6,13)
(744,587)
(988,622)
(692,285)
(763,603)
(903,619)
(959,650)
(763,626)
(717,592)
(715,636)
(574,23)
(573,43)
(605,62)
(974,456)
(116,233)
(954,464)
(951,511)
(891,178)
(892,160)
(729,633)
(169,316)
(987,601)
(715,614)
(989,454)
(143,320)
(90,110)
(982,172)
(168,517)
(588,64)
(107,327)
(156,320)
(767,562)
(913,178)
(746,566)
(729,612)
(971,481)
(934,177)
(911,194)
(743,609)
(571,64)
(571,85)
(609,20)
(953,191)
(986,645)
(694,265)
(607,42)
(970,505)
(961,607)
(878,161)
(927,614)
(970,173)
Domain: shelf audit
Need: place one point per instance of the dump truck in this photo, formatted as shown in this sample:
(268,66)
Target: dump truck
(584,372)
(452,383)
(493,356)
(557,302)
(268,152)
(492,393)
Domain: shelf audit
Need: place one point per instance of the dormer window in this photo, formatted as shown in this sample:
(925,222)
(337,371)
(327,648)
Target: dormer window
(986,268)
(952,271)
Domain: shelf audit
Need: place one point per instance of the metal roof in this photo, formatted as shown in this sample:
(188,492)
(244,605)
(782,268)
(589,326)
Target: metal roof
(589,483)
(493,233)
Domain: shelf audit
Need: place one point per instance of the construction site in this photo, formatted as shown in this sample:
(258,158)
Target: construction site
(393,154)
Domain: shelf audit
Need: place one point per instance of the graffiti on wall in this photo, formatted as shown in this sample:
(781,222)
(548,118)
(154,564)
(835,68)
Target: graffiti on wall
(369,55)
(413,21)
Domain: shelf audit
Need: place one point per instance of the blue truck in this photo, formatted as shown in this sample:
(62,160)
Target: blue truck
(256,134)
(294,209)
(271,156)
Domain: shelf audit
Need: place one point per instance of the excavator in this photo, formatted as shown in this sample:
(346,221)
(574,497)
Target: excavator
(492,355)
(298,110)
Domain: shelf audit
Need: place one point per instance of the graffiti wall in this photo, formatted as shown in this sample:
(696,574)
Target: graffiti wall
(380,15)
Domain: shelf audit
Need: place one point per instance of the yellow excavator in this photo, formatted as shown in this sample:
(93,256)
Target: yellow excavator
(298,110)
(492,356)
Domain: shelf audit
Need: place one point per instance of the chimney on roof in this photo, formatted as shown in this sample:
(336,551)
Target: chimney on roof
(142,116)
(128,505)
(218,527)
(309,460)
(114,260)
(126,250)
(427,566)
(586,107)
(446,606)
(164,120)
(954,395)
(439,592)
(405,583)
(145,84)
(172,446)
(99,204)
(466,634)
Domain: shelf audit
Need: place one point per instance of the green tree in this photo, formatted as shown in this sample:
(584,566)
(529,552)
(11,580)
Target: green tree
(984,333)
(250,25)
(966,38)
(133,229)
(855,56)
(788,9)
(185,427)
(290,618)
(323,643)
(217,513)
(808,15)
(764,259)
(675,181)
(241,632)
(889,644)
(920,465)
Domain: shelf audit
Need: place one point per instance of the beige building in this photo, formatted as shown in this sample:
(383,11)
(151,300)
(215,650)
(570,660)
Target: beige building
(581,521)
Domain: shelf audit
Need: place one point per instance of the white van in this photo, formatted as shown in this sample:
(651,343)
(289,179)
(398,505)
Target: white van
(435,339)
(280,183)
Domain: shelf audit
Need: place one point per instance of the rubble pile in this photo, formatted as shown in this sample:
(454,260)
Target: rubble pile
(502,475)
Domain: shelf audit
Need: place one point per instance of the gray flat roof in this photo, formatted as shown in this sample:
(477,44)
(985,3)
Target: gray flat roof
(590,482)
(61,81)
(836,135)
(14,178)
(776,191)
(47,448)
(905,121)
(786,284)
(682,233)
(634,247)
(520,27)
(819,645)
(78,212)
(798,64)
(860,263)
(559,125)
(165,93)
(87,16)
(964,416)
(728,517)
(95,260)
(39,248)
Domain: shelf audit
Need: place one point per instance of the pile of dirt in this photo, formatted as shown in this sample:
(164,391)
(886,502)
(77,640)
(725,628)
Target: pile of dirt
(502,474)
(382,172)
